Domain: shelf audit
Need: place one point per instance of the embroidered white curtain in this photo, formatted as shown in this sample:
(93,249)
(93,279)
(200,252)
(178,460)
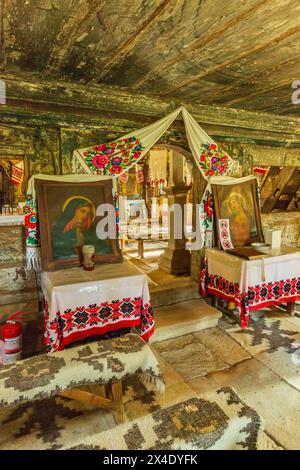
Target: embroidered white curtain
(120,155)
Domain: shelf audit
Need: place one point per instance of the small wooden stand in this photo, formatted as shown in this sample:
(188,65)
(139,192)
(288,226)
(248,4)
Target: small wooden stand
(291,308)
(112,401)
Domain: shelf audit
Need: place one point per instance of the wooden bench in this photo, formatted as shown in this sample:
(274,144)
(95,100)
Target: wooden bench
(78,373)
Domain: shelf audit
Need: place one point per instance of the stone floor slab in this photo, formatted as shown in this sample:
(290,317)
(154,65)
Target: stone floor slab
(183,318)
(223,345)
(271,397)
(189,357)
(284,364)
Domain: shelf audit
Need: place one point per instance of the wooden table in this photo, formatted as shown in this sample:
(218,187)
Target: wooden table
(253,284)
(146,233)
(79,304)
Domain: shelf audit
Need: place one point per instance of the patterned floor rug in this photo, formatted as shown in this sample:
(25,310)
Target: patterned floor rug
(268,331)
(273,338)
(220,421)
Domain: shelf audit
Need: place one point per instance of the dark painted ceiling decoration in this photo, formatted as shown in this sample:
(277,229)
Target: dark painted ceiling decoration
(234,53)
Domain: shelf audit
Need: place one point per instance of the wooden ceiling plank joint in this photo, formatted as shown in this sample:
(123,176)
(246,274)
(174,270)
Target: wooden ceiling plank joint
(125,48)
(266,72)
(199,43)
(243,55)
(69,34)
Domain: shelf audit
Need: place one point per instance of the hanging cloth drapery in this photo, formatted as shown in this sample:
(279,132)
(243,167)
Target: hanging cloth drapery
(209,157)
(115,157)
(17,172)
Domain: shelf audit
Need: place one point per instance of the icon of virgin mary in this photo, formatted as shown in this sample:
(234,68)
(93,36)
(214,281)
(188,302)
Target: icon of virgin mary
(73,227)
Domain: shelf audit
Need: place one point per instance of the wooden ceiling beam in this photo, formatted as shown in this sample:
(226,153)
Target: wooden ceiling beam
(285,110)
(225,64)
(70,32)
(250,81)
(106,66)
(259,92)
(277,101)
(108,100)
(198,44)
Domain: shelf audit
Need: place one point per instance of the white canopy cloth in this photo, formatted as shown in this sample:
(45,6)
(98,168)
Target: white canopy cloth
(79,303)
(118,156)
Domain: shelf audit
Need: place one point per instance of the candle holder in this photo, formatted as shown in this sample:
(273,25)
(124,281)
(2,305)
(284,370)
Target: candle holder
(88,252)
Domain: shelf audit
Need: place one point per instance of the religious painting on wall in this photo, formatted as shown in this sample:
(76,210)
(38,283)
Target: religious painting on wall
(68,220)
(239,204)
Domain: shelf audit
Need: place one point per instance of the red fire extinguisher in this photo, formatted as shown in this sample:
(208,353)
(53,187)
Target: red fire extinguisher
(11,339)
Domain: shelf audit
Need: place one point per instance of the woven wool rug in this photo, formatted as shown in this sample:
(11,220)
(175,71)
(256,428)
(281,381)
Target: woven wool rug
(268,331)
(222,421)
(99,362)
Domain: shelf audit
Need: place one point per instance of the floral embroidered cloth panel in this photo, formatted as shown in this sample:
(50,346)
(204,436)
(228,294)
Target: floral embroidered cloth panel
(252,284)
(79,304)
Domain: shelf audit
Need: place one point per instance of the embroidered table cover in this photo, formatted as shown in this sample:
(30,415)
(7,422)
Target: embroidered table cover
(252,284)
(79,304)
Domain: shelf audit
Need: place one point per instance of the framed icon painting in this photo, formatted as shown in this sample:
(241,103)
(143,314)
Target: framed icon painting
(240,205)
(68,220)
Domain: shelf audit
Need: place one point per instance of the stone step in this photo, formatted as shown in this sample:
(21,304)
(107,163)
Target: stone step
(176,291)
(183,318)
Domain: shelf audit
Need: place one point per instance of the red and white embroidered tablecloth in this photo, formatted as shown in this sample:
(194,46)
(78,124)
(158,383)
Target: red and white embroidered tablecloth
(252,284)
(79,303)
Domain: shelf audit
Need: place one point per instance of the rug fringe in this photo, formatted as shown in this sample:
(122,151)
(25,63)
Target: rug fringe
(152,382)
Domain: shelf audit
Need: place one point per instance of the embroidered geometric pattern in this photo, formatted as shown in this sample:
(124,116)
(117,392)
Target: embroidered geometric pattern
(218,421)
(228,287)
(273,334)
(273,291)
(82,322)
(263,295)
(99,362)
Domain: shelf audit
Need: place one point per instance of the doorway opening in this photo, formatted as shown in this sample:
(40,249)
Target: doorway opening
(164,176)
(12,185)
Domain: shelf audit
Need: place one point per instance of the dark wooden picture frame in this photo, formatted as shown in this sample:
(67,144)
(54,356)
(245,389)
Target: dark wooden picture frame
(54,199)
(244,206)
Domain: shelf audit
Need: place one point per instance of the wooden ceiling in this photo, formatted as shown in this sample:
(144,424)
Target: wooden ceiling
(235,53)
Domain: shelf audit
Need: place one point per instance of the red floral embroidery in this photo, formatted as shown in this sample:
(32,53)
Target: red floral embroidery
(213,160)
(113,157)
(100,161)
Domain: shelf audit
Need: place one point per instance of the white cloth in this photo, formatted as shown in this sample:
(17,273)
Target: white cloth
(253,284)
(64,179)
(251,273)
(69,293)
(197,137)
(149,135)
